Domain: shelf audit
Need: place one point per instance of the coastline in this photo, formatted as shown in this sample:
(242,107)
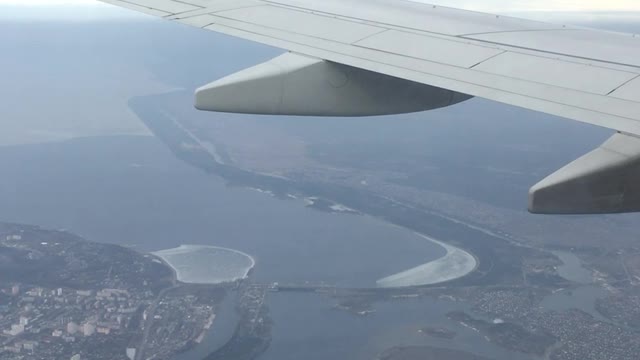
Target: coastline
(174,273)
(456,263)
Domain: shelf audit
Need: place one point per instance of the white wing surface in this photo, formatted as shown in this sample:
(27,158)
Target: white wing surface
(586,75)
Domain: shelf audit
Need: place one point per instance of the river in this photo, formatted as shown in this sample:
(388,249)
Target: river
(132,191)
(306,326)
(221,332)
(583,297)
(572,269)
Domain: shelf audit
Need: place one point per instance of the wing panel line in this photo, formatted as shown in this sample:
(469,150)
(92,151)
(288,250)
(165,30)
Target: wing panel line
(510,31)
(622,85)
(565,110)
(487,59)
(159,9)
(553,53)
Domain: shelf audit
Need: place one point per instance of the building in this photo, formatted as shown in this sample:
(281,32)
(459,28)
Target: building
(12,348)
(84,292)
(88,329)
(72,328)
(29,345)
(16,329)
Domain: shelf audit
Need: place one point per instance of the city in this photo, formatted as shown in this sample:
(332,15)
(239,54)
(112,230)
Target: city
(108,303)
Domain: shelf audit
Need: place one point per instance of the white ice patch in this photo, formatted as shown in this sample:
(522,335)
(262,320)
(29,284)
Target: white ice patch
(199,264)
(262,191)
(454,264)
(341,208)
(310,200)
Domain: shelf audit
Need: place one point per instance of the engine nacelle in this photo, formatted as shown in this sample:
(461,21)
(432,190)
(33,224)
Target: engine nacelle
(293,84)
(606,180)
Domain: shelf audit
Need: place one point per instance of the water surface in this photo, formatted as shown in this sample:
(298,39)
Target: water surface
(307,326)
(572,269)
(132,191)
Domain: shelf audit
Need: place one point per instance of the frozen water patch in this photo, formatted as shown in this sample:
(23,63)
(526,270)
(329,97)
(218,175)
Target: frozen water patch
(200,264)
(341,208)
(262,191)
(454,264)
(309,201)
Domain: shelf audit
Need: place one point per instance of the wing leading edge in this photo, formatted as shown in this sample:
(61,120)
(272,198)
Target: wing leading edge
(347,52)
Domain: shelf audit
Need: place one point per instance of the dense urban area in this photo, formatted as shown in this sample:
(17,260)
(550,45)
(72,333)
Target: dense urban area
(63,297)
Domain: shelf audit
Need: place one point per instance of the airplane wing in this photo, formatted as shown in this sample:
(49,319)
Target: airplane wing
(371,57)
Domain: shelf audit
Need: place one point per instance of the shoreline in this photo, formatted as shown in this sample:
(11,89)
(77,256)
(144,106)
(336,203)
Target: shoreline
(165,255)
(400,280)
(440,266)
(455,264)
(174,273)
